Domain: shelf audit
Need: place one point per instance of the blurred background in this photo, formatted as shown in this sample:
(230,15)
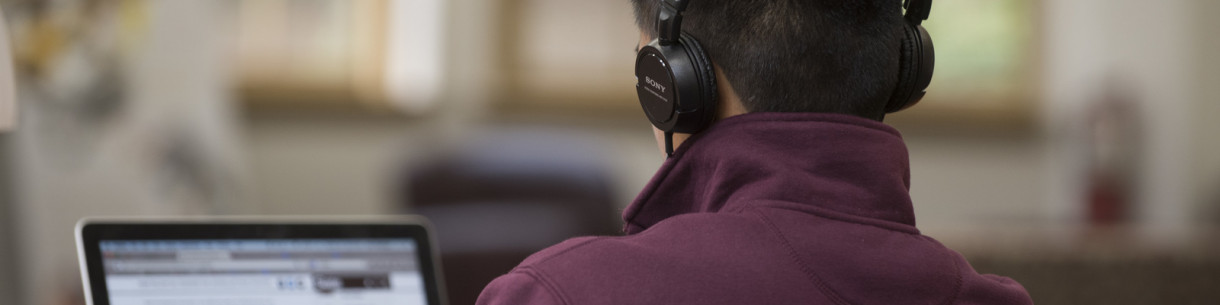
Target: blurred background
(1068,144)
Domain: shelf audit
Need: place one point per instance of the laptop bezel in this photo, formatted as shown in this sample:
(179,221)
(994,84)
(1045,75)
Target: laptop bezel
(91,231)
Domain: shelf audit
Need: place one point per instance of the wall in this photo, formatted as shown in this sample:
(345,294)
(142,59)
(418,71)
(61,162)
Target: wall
(976,180)
(330,165)
(1205,143)
(167,149)
(1144,48)
(10,293)
(326,165)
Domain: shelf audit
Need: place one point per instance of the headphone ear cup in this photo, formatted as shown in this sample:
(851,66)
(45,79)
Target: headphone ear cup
(705,109)
(916,63)
(676,85)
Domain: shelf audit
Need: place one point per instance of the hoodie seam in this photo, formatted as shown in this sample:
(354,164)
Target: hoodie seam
(546,283)
(957,291)
(813,276)
(564,251)
(957,264)
(833,215)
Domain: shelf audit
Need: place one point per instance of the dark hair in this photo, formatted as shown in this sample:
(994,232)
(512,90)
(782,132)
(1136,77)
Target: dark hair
(836,56)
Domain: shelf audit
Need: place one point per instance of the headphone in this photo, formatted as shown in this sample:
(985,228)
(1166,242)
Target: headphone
(676,83)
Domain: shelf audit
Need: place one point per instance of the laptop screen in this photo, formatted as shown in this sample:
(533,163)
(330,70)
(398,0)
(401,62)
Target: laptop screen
(263,271)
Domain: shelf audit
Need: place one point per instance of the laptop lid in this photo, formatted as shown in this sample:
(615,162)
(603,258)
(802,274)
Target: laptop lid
(258,261)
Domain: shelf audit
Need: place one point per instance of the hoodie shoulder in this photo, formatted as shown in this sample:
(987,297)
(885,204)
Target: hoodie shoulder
(520,286)
(865,263)
(981,289)
(699,258)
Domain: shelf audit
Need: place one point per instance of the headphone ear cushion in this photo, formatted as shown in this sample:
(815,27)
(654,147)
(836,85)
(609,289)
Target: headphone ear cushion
(915,66)
(707,81)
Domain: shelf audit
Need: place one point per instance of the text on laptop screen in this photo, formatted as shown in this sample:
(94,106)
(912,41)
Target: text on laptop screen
(262,272)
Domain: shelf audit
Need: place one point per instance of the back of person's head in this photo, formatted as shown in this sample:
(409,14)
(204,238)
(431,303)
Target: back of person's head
(833,56)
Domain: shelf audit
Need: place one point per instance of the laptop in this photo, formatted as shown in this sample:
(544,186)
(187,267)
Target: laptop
(258,261)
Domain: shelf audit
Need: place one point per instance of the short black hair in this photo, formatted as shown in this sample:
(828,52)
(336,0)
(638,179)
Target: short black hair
(835,56)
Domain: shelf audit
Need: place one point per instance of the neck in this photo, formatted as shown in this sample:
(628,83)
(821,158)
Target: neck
(728,106)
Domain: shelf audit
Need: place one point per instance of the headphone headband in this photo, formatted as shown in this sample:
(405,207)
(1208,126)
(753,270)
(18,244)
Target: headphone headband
(917,10)
(669,21)
(676,80)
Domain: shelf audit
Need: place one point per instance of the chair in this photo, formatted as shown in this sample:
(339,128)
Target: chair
(496,200)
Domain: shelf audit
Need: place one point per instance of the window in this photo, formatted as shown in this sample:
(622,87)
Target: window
(377,54)
(985,63)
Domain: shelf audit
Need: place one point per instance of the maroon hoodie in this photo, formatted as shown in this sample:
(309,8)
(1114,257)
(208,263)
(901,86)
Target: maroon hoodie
(765,208)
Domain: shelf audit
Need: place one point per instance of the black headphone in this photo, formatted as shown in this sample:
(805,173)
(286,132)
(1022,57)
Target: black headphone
(676,83)
(917,60)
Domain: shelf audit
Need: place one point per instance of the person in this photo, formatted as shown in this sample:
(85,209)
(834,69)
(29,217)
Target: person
(792,192)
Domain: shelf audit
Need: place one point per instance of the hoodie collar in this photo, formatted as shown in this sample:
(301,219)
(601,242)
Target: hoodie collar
(803,161)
